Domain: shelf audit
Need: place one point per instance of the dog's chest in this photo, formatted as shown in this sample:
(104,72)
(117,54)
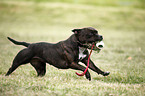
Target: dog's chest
(82,53)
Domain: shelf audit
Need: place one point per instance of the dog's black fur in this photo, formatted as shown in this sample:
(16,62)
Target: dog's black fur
(63,55)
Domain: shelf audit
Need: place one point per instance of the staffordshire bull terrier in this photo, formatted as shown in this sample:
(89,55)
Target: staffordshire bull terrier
(63,55)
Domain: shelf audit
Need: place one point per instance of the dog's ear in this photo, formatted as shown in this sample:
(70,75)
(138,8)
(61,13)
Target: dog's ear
(76,31)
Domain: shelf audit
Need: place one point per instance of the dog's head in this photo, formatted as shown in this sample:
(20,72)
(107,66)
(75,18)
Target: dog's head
(87,36)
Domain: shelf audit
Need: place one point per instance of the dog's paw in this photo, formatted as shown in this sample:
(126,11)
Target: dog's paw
(106,73)
(88,76)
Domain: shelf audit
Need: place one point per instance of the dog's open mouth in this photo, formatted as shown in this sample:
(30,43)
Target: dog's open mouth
(98,45)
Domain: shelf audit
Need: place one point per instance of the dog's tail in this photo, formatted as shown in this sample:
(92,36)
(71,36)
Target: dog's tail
(19,43)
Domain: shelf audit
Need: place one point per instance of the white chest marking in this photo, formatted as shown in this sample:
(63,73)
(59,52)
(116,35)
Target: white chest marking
(81,53)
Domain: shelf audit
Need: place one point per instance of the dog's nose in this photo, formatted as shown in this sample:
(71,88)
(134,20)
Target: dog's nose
(101,37)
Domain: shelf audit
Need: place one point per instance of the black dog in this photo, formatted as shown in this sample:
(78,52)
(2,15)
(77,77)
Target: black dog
(63,55)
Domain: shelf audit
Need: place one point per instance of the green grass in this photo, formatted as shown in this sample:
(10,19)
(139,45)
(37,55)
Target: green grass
(123,55)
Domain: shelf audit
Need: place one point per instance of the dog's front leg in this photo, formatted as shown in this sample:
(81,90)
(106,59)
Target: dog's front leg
(95,68)
(76,66)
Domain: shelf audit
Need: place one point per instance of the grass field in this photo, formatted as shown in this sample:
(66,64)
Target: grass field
(123,28)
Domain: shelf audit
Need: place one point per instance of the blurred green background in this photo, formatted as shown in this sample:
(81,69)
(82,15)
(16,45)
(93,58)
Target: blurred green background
(121,22)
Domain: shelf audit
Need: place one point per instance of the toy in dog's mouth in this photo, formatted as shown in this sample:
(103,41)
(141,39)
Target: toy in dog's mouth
(98,45)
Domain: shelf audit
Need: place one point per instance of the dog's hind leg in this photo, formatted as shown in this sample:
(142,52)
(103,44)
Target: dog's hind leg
(23,57)
(39,66)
